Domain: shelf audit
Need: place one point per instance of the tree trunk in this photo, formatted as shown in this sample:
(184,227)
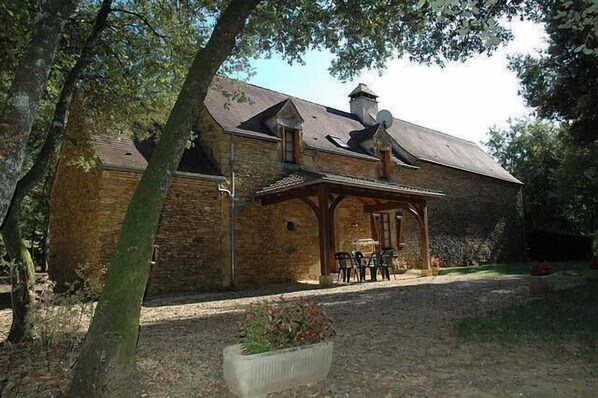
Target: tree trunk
(56,132)
(25,93)
(106,365)
(22,272)
(10,229)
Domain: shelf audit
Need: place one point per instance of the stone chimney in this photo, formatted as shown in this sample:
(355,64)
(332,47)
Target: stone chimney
(363,104)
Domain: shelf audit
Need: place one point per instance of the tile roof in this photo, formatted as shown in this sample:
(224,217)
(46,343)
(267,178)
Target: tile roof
(320,121)
(302,178)
(436,147)
(134,154)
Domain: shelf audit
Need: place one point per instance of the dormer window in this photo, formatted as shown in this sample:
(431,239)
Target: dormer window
(385,164)
(290,145)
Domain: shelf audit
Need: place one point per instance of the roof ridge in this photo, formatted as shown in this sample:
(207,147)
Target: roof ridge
(292,96)
(437,131)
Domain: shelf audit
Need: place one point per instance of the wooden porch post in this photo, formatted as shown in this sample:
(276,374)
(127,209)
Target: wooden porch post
(324,232)
(425,240)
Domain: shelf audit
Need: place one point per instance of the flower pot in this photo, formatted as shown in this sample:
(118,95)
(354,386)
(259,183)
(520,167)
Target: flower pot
(259,374)
(592,275)
(541,284)
(435,271)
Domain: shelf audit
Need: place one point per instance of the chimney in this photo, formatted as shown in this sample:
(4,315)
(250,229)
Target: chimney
(363,104)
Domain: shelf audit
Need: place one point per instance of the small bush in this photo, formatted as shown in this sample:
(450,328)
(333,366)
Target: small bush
(283,324)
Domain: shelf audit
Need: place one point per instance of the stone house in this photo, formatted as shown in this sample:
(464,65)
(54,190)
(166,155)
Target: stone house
(308,181)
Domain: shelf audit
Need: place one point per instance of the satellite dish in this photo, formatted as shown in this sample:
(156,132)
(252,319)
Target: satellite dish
(384,117)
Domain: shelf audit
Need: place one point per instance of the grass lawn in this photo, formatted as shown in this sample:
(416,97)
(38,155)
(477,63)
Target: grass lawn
(553,321)
(564,268)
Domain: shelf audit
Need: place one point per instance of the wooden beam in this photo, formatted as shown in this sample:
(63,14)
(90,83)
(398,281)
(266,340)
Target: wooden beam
(375,194)
(336,202)
(280,197)
(324,228)
(312,205)
(425,237)
(385,206)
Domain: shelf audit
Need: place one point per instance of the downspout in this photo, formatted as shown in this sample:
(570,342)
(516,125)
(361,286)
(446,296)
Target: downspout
(231,194)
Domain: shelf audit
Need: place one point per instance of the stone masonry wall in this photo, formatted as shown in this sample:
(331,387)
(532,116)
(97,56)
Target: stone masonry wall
(74,199)
(479,221)
(190,224)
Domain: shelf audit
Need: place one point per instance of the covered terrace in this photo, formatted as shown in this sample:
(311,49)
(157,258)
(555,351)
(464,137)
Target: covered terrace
(323,192)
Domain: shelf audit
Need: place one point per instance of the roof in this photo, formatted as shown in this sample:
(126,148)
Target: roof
(303,178)
(246,118)
(362,88)
(128,153)
(436,147)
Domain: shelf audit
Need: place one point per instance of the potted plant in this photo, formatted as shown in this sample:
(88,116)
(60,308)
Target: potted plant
(435,264)
(284,344)
(592,272)
(541,278)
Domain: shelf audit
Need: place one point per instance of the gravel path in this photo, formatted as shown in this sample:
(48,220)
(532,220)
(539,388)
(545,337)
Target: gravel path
(394,338)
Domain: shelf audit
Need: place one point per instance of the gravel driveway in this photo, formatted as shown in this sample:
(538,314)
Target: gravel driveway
(394,339)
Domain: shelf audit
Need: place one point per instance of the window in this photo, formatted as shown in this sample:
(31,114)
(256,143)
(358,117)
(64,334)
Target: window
(385,165)
(337,141)
(400,235)
(381,229)
(290,145)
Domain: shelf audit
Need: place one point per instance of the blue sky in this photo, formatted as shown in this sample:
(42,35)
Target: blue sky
(463,99)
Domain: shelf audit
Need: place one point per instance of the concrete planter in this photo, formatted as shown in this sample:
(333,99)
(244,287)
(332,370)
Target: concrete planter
(541,284)
(592,275)
(435,271)
(259,374)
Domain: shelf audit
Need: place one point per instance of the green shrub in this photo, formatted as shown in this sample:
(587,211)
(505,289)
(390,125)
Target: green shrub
(283,324)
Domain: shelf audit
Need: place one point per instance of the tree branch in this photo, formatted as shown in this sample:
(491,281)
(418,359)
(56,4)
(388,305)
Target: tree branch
(143,19)
(57,127)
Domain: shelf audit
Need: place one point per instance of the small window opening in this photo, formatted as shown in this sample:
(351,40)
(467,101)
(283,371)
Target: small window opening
(337,141)
(291,226)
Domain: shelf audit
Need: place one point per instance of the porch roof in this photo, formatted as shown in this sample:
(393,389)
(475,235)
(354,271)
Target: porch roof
(349,185)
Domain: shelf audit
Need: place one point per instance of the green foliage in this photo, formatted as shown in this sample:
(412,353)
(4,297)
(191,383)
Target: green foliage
(58,322)
(562,83)
(366,34)
(555,320)
(561,179)
(569,268)
(283,324)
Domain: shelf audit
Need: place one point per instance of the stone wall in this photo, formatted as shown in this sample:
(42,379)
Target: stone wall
(189,256)
(344,165)
(479,221)
(74,199)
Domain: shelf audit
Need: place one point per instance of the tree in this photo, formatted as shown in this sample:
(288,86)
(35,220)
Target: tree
(561,178)
(432,32)
(528,149)
(89,61)
(562,84)
(24,269)
(25,93)
(106,365)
